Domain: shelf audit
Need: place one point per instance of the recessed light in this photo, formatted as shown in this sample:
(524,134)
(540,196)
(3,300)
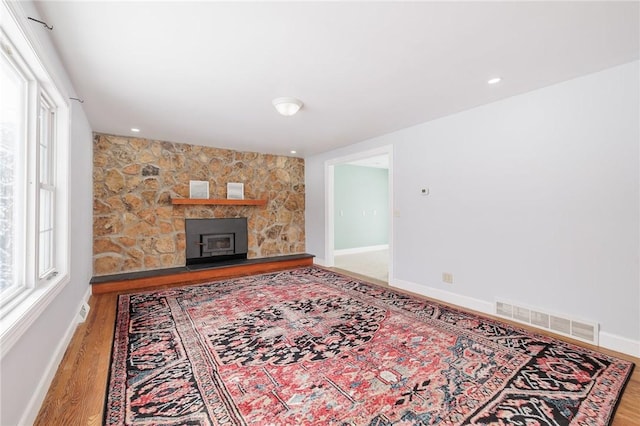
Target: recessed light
(135,129)
(494,80)
(293,151)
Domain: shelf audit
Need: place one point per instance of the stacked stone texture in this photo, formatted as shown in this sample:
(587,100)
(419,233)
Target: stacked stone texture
(135,226)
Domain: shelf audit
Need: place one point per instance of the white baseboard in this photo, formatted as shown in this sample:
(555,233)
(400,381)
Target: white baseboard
(445,296)
(320,262)
(619,344)
(356,250)
(606,340)
(33,407)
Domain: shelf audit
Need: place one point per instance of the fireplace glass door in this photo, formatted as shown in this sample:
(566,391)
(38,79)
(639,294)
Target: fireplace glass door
(217,244)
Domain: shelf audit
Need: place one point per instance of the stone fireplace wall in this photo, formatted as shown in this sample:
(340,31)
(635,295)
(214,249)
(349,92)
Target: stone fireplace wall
(135,226)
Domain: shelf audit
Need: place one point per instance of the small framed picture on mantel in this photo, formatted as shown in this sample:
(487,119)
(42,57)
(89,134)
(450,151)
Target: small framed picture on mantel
(198,189)
(235,191)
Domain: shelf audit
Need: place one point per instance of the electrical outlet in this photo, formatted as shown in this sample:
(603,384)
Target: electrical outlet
(447,277)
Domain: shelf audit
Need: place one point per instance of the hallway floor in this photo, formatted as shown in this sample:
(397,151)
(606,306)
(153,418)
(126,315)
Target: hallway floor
(374,264)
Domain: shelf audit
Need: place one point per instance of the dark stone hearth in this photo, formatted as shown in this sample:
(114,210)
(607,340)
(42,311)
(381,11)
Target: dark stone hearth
(101,279)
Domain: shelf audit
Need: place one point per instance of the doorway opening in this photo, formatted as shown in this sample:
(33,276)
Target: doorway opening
(359,220)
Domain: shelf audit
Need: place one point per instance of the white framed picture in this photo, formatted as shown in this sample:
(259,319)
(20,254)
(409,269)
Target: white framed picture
(235,191)
(198,189)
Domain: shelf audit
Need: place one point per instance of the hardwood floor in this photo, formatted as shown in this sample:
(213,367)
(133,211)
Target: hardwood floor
(77,393)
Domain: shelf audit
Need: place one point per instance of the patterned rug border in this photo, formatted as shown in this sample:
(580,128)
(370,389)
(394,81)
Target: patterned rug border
(513,325)
(363,280)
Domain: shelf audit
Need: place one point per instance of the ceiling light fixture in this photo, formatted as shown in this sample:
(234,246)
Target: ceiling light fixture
(135,129)
(494,80)
(287,106)
(293,151)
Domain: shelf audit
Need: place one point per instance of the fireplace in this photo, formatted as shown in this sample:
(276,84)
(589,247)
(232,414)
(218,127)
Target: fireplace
(217,244)
(215,240)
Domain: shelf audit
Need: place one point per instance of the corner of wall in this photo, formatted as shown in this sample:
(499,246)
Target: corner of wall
(320,262)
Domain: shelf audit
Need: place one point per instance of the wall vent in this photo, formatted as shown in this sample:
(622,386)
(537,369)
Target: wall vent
(585,331)
(84,312)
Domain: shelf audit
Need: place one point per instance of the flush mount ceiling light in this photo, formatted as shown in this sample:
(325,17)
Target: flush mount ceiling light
(135,129)
(287,106)
(495,80)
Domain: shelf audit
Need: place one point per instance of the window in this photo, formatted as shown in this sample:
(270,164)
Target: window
(33,182)
(13,131)
(46,210)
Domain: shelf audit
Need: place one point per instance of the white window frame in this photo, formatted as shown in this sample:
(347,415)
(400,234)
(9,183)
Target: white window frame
(36,290)
(47,116)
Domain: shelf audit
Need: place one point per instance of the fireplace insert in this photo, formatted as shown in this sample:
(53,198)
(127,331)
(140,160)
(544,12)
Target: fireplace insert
(215,240)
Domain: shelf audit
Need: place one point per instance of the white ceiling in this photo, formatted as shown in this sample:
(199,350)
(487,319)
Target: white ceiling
(205,72)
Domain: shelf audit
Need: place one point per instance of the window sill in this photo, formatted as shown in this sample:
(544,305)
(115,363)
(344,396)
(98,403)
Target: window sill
(21,315)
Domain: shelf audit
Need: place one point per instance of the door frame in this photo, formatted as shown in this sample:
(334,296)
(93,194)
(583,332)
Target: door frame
(329,202)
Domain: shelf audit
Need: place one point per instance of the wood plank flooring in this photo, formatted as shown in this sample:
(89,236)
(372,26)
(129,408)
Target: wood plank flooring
(77,393)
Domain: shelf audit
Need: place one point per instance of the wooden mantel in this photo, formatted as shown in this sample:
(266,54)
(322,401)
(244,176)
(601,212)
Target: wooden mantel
(218,201)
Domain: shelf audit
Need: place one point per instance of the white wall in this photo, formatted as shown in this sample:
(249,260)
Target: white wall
(535,199)
(30,364)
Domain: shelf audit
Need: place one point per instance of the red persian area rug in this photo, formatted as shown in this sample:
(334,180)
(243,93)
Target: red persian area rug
(312,347)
